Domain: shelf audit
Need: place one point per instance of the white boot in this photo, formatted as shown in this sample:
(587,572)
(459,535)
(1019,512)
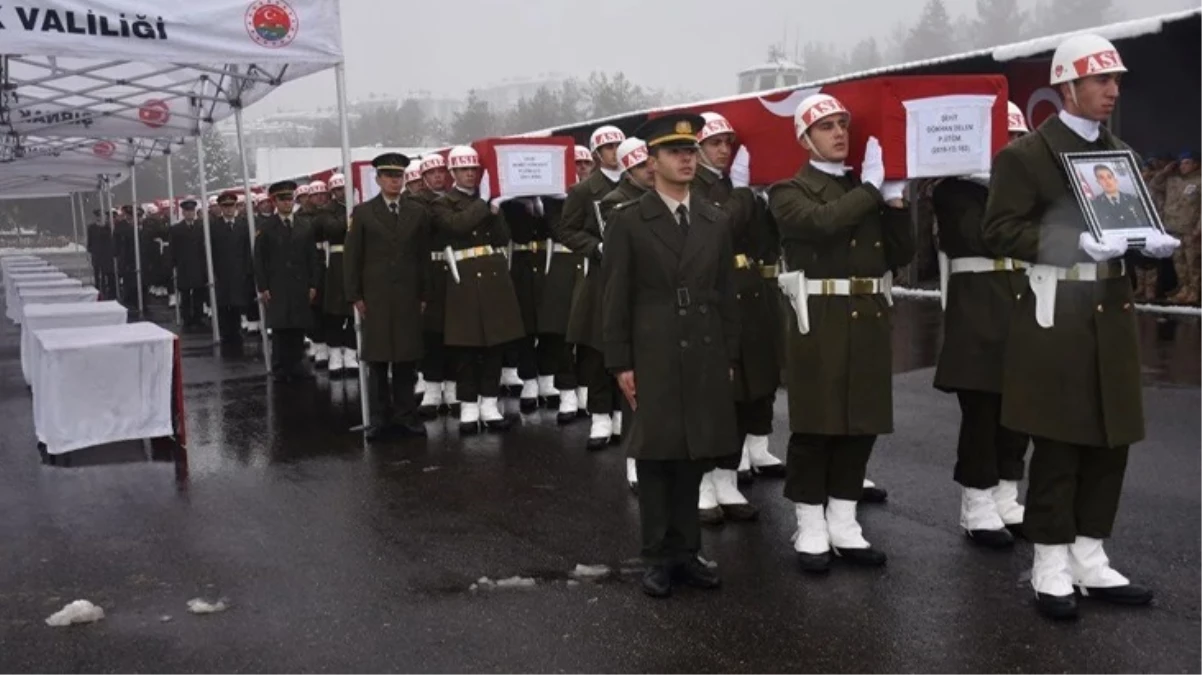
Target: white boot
(978,512)
(448,393)
(321,353)
(490,411)
(350,359)
(419,387)
(757,451)
(599,433)
(811,537)
(244,325)
(336,360)
(173,300)
(509,377)
(1005,497)
(469,413)
(530,390)
(632,473)
(546,386)
(567,402)
(707,499)
(1050,572)
(745,459)
(616,416)
(310,348)
(432,397)
(726,489)
(1090,567)
(582,398)
(252,326)
(844,528)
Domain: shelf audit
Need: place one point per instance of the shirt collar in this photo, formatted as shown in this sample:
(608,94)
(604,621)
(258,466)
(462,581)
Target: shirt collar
(716,172)
(470,193)
(672,203)
(1087,129)
(614,175)
(835,169)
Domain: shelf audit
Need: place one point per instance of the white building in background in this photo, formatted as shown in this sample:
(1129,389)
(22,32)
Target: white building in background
(776,73)
(506,94)
(273,164)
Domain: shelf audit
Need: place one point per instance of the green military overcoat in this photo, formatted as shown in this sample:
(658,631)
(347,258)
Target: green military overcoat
(976,321)
(482,308)
(437,273)
(1078,381)
(670,315)
(286,265)
(384,266)
(840,377)
(565,270)
(332,231)
(580,231)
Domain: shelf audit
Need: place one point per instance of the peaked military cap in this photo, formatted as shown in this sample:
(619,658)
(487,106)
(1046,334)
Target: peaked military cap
(282,189)
(390,161)
(674,130)
(228,197)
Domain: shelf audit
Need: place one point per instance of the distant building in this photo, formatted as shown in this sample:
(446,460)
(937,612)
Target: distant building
(776,73)
(506,94)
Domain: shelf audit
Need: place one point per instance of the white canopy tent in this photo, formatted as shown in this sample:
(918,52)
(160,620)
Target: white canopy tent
(86,85)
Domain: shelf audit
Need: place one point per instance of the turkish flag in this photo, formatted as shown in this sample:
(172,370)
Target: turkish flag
(1030,91)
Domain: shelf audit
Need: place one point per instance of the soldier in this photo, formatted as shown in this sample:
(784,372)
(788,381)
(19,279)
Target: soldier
(100,251)
(1115,209)
(124,242)
(980,293)
(336,309)
(233,268)
(191,267)
(842,237)
(584,163)
(263,206)
(311,212)
(1176,188)
(414,184)
(562,268)
(482,313)
(1072,377)
(758,374)
(580,231)
(155,259)
(438,370)
(671,338)
(536,360)
(385,270)
(286,274)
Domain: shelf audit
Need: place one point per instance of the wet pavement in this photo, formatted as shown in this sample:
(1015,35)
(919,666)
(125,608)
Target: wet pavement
(336,556)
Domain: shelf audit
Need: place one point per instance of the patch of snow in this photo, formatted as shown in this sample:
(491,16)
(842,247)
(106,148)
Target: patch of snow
(80,611)
(590,571)
(199,606)
(516,582)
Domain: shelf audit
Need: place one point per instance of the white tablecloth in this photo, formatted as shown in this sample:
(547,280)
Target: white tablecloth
(8,273)
(21,288)
(102,385)
(26,266)
(14,258)
(11,301)
(37,317)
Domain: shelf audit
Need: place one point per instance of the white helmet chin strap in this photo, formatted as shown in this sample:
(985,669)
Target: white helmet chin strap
(809,145)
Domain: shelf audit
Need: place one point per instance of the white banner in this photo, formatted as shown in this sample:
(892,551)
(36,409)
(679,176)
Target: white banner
(208,31)
(154,117)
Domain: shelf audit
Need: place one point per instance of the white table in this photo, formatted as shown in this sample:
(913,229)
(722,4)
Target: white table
(37,317)
(43,296)
(8,272)
(14,258)
(105,384)
(22,287)
(11,301)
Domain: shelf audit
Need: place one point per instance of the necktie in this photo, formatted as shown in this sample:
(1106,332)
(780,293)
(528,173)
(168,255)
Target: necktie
(394,208)
(287,222)
(682,216)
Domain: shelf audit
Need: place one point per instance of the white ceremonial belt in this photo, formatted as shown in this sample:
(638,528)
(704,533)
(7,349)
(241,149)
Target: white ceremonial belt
(1043,280)
(560,248)
(798,290)
(473,252)
(336,248)
(981,265)
(844,286)
(438,256)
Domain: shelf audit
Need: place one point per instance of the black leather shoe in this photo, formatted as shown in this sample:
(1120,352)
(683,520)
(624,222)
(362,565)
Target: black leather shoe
(814,563)
(1131,594)
(873,495)
(995,539)
(745,479)
(502,424)
(469,428)
(453,409)
(865,557)
(375,432)
(411,429)
(595,444)
(778,471)
(528,405)
(740,512)
(1017,530)
(657,581)
(615,439)
(1059,607)
(565,418)
(712,516)
(550,402)
(696,574)
(583,413)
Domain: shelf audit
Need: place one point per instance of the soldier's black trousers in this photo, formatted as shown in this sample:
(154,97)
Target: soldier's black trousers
(987,451)
(129,289)
(229,323)
(820,467)
(316,330)
(438,362)
(603,392)
(1073,491)
(668,492)
(478,371)
(191,305)
(753,418)
(339,330)
(563,357)
(287,350)
(538,356)
(392,399)
(106,283)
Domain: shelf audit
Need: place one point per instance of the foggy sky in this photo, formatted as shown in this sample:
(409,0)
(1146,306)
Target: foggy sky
(395,46)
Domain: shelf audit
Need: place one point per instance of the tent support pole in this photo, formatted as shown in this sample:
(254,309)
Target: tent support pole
(108,192)
(133,188)
(171,222)
(349,194)
(204,212)
(74,220)
(250,232)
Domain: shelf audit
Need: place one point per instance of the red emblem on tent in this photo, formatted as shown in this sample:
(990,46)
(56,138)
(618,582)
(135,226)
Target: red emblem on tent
(271,23)
(154,113)
(104,149)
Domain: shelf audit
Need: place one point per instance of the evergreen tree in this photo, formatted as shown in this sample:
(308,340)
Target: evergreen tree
(474,122)
(933,36)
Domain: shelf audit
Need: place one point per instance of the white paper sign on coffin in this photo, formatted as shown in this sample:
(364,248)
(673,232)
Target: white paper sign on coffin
(948,135)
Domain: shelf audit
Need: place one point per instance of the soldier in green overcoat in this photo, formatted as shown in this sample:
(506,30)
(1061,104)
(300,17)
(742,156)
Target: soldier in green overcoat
(384,274)
(671,338)
(842,236)
(1072,375)
(440,393)
(336,309)
(580,231)
(979,293)
(482,312)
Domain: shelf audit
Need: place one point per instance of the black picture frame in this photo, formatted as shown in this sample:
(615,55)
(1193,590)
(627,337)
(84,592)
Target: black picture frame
(1127,210)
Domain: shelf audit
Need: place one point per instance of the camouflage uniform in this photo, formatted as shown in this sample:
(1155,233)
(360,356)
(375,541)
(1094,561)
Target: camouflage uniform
(1177,197)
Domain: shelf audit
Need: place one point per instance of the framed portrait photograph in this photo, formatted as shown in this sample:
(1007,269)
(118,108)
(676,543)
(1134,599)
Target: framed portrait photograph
(1112,194)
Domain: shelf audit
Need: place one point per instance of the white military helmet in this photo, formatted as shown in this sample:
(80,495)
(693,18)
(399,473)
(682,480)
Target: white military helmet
(605,135)
(715,125)
(259,197)
(337,181)
(434,161)
(1084,55)
(813,108)
(583,154)
(463,157)
(212,200)
(413,172)
(317,187)
(150,209)
(631,153)
(1015,121)
(301,190)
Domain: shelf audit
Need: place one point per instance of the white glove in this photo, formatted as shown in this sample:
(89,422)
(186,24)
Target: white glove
(1160,245)
(538,206)
(485,188)
(1109,248)
(740,169)
(872,171)
(893,189)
